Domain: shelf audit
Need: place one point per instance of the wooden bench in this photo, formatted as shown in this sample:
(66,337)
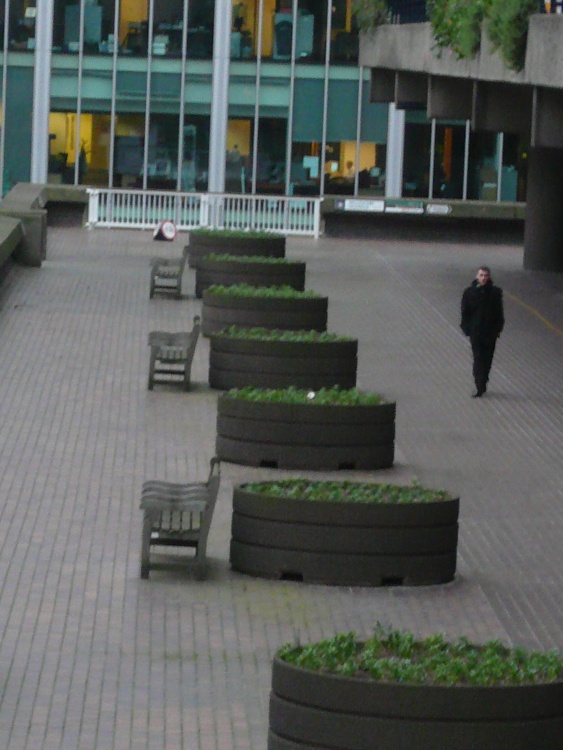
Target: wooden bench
(166,275)
(172,355)
(179,515)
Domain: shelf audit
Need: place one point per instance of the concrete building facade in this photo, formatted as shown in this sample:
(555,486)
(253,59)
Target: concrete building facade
(406,70)
(261,96)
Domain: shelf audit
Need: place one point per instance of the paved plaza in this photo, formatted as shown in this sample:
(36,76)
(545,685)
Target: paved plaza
(91,656)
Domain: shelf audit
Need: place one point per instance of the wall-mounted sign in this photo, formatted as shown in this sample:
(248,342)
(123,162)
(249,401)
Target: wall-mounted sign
(350,204)
(438,209)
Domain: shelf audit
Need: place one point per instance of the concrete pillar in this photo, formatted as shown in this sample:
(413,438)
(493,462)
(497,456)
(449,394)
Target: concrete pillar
(220,99)
(543,232)
(41,91)
(395,147)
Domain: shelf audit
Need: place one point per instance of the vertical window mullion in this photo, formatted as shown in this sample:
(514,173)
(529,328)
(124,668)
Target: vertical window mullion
(79,94)
(148,94)
(5,42)
(325,100)
(182,112)
(289,144)
(113,92)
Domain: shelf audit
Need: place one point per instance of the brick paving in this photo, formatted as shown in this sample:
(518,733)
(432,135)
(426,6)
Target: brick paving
(93,657)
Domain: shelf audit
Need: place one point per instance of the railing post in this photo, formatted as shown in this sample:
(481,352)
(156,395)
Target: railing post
(204,211)
(93,206)
(317,221)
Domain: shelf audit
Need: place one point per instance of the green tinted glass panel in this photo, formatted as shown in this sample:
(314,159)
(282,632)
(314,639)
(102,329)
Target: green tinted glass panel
(19,104)
(342,110)
(374,118)
(308,111)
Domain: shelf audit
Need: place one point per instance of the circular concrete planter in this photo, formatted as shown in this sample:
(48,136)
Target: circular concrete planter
(204,244)
(211,270)
(287,313)
(305,436)
(315,710)
(344,543)
(235,362)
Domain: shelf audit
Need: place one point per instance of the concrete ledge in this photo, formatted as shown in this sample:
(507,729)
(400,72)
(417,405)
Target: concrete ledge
(11,235)
(430,220)
(23,219)
(424,207)
(410,47)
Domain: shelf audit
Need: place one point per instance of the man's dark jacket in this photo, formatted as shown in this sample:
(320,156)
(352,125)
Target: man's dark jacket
(482,313)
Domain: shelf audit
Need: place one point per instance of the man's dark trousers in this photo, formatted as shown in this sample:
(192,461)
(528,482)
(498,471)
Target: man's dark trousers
(483,351)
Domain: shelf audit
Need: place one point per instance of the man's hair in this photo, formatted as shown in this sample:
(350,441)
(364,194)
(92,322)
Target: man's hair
(485,268)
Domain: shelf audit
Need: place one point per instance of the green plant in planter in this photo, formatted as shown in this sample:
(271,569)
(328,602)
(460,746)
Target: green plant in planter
(292,395)
(507,28)
(246,290)
(396,656)
(235,233)
(251,259)
(273,334)
(370,14)
(347,492)
(457,24)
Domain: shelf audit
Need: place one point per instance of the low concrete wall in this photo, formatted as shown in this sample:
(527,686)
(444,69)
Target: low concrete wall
(23,219)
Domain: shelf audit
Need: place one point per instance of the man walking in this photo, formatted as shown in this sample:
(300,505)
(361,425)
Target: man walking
(482,319)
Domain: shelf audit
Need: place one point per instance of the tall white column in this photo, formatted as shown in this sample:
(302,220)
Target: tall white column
(220,100)
(395,148)
(41,91)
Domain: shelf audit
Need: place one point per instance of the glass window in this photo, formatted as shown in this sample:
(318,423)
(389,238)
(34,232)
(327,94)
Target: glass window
(98,25)
(62,148)
(238,167)
(482,174)
(345,43)
(22,26)
(449,154)
(129,142)
(133,27)
(305,168)
(245,29)
(416,159)
(200,29)
(311,31)
(514,168)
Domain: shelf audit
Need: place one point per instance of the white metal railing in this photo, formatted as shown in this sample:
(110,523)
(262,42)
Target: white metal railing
(144,209)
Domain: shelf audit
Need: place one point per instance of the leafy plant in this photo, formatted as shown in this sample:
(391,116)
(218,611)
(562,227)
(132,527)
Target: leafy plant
(457,24)
(274,334)
(235,233)
(444,23)
(346,492)
(323,397)
(251,259)
(245,290)
(507,29)
(370,14)
(392,655)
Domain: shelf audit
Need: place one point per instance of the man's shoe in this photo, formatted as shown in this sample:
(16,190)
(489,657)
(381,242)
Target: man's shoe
(477,394)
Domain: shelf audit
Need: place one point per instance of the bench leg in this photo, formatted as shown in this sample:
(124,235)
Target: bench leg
(146,545)
(152,366)
(186,377)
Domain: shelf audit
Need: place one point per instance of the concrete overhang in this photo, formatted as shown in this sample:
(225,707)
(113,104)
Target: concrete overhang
(407,69)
